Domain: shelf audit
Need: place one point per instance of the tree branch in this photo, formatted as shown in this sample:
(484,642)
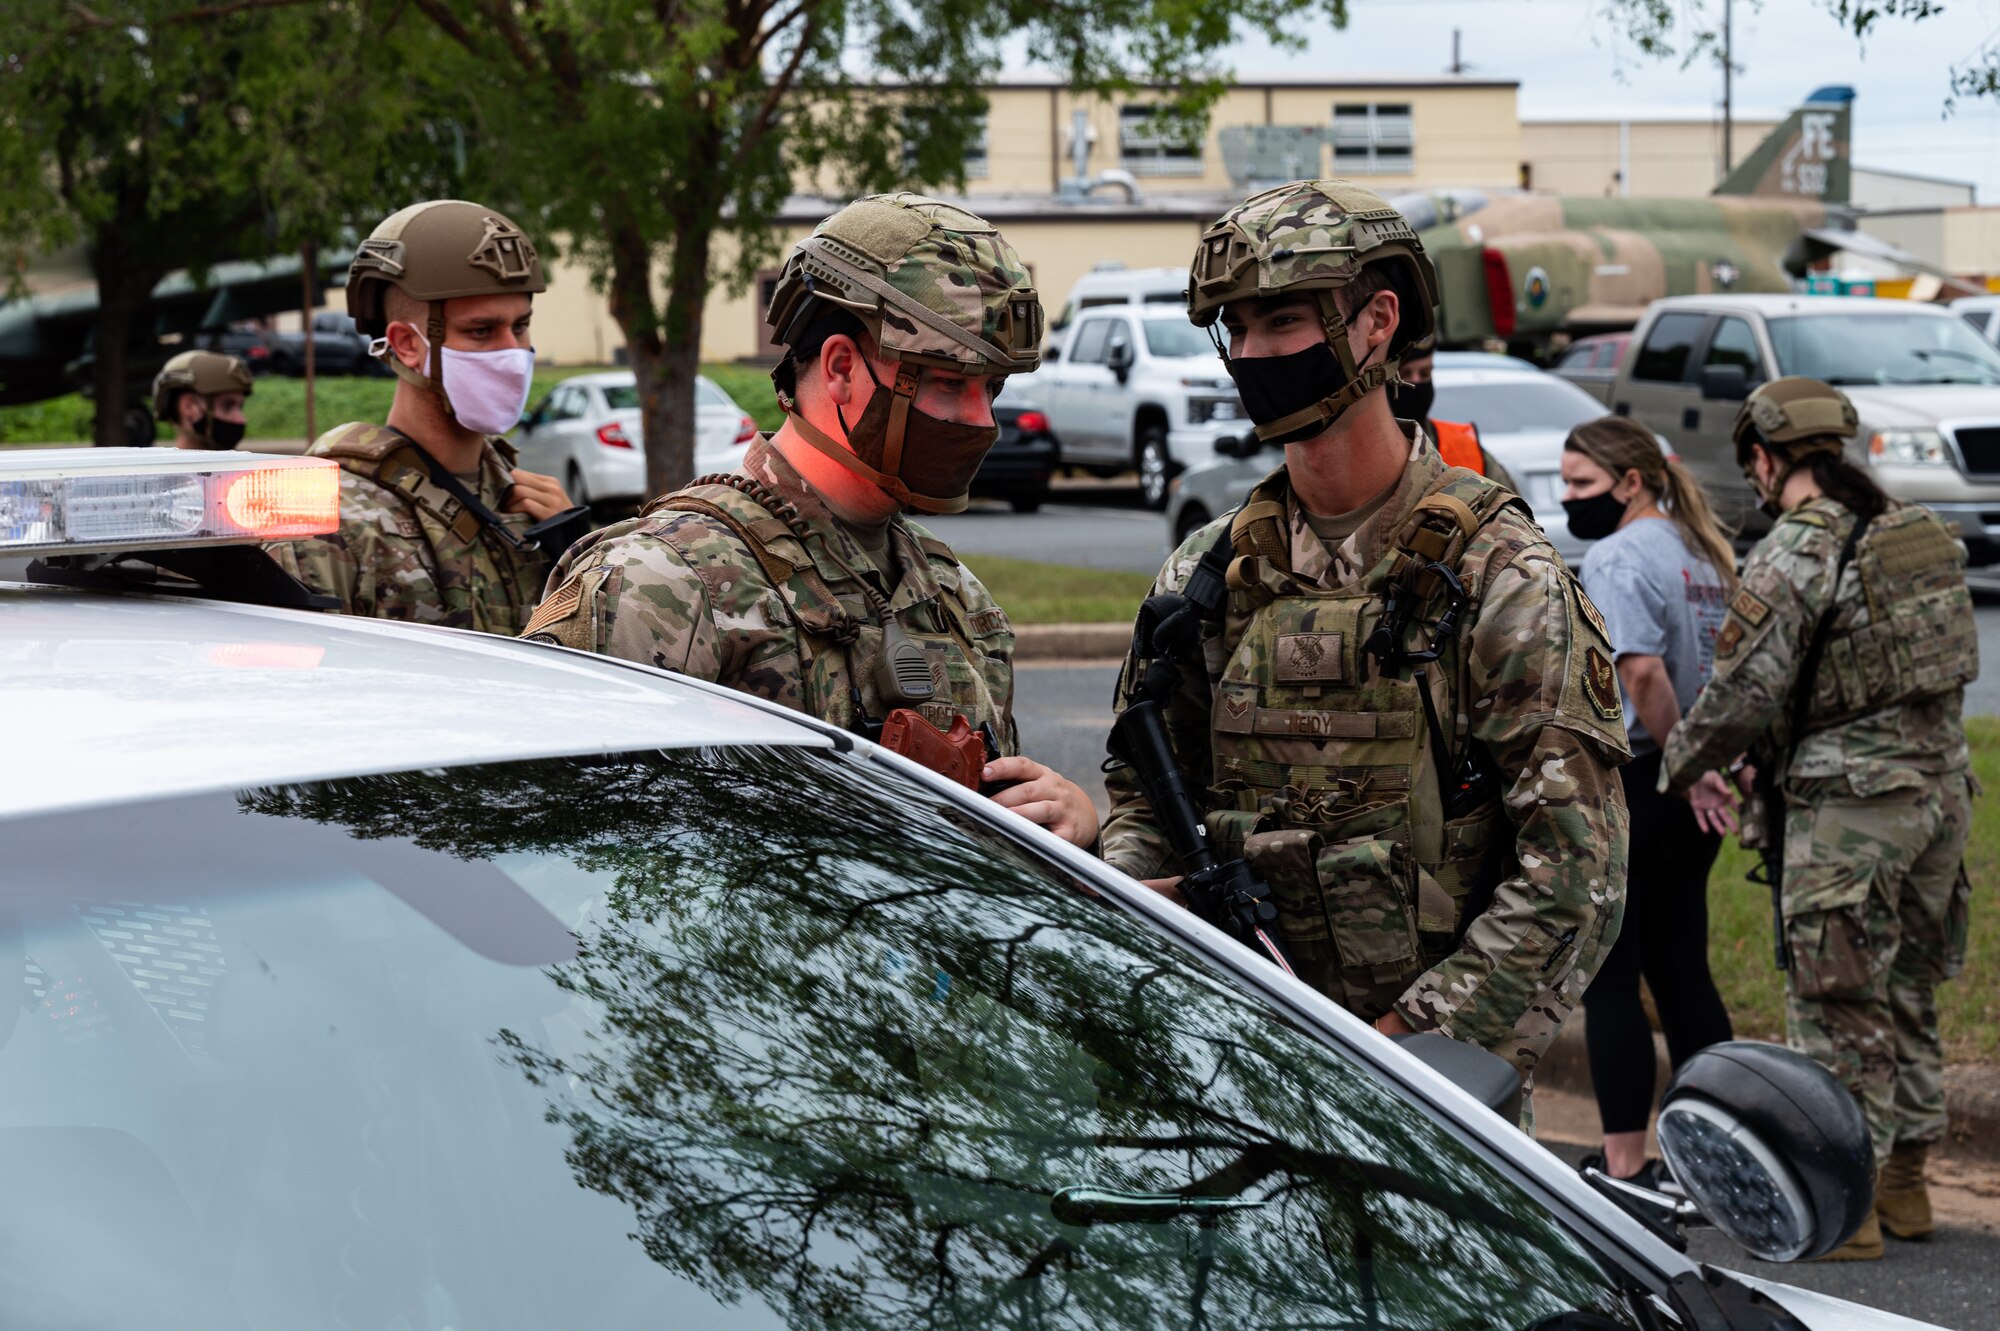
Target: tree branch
(760,124)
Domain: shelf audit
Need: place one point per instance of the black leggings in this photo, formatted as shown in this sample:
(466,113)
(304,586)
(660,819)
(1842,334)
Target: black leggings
(1665,937)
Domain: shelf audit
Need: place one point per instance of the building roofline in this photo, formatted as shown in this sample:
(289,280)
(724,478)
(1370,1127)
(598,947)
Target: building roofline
(1252,83)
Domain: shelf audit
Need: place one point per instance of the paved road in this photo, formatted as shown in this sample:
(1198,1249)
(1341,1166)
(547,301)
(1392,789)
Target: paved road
(1091,525)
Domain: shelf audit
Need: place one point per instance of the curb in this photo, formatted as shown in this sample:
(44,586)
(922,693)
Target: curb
(1971,1090)
(1071,642)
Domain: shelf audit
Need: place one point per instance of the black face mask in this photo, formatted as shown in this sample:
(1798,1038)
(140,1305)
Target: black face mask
(1273,387)
(1594,516)
(1413,402)
(220,434)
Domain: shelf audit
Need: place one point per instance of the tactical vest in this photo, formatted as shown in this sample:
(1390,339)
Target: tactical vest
(1458,445)
(840,634)
(1919,639)
(1324,766)
(393,461)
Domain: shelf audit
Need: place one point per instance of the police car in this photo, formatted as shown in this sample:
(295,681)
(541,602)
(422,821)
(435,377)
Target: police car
(380,976)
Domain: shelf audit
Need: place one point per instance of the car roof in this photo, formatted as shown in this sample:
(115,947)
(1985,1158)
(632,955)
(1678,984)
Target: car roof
(1782,303)
(112,697)
(1976,303)
(1130,279)
(1467,375)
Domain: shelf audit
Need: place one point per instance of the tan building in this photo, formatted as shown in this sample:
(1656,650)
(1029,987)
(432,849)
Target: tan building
(1654,155)
(1398,134)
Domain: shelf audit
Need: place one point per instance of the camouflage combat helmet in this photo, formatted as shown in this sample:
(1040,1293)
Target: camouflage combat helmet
(1794,416)
(1313,237)
(204,373)
(435,252)
(934,285)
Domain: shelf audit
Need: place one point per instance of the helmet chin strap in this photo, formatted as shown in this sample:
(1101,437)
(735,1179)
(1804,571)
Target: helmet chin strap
(1360,383)
(434,339)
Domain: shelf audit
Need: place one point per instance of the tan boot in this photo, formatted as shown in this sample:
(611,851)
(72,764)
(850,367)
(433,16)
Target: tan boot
(1901,1200)
(1865,1246)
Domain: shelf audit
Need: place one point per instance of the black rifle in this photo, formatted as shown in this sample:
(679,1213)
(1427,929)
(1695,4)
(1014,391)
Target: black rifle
(1767,788)
(1223,892)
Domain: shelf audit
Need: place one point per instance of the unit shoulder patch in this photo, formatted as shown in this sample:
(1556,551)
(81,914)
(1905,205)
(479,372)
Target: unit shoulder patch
(1753,610)
(1731,637)
(1600,684)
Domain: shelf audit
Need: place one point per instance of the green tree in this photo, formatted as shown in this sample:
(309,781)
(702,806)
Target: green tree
(160,135)
(659,138)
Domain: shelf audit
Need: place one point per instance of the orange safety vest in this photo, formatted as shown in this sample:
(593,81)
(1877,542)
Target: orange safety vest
(1459,444)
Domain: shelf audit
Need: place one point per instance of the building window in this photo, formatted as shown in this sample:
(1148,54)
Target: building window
(1151,147)
(975,154)
(1373,139)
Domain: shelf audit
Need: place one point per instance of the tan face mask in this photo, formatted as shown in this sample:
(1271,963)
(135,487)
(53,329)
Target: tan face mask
(922,462)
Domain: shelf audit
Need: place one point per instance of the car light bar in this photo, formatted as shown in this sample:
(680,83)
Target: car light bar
(102,500)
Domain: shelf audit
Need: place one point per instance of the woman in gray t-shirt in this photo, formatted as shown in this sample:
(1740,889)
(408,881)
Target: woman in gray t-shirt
(1660,575)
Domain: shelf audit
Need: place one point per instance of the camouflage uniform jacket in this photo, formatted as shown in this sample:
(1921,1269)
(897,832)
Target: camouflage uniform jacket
(792,623)
(407,549)
(1903,626)
(1299,743)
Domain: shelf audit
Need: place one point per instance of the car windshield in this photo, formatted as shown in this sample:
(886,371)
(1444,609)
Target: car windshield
(734,1038)
(1513,405)
(1177,337)
(1883,349)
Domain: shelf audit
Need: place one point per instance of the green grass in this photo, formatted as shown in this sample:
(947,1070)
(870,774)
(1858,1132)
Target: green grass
(1739,948)
(278,405)
(750,386)
(1034,593)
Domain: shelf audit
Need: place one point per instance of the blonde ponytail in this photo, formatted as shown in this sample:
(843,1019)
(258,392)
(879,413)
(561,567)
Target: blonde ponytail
(1619,444)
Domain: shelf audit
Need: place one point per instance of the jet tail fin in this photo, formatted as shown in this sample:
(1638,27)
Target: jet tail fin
(1804,158)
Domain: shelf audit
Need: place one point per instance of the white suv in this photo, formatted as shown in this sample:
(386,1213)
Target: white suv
(1137,387)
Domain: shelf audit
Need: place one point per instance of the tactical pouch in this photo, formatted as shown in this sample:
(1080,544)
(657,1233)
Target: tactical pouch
(1367,886)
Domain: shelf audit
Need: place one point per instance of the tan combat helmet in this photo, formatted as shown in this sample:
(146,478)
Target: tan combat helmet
(435,252)
(203,373)
(1315,236)
(933,285)
(1794,416)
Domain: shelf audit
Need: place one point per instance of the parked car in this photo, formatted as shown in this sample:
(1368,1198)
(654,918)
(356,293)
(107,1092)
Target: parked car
(1523,415)
(1113,283)
(603,997)
(1981,313)
(1926,386)
(1019,466)
(246,341)
(339,348)
(1592,362)
(1137,389)
(587,433)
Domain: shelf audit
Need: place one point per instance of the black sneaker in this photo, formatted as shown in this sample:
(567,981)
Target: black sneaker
(1654,1174)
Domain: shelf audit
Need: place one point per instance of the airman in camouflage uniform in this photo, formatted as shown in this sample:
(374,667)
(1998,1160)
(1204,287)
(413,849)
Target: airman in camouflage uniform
(798,579)
(1455,865)
(202,395)
(434,519)
(1876,789)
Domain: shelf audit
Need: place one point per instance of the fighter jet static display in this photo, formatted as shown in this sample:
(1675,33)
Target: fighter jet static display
(46,329)
(1522,268)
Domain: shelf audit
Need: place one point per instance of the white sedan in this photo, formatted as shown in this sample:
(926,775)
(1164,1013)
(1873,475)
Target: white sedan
(587,433)
(569,992)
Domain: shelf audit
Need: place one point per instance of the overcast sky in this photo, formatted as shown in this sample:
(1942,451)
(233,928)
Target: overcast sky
(1566,57)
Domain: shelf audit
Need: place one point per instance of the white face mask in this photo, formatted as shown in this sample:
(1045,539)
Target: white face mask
(485,391)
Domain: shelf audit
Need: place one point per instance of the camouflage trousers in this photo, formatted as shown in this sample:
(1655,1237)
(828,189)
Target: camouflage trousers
(1875,900)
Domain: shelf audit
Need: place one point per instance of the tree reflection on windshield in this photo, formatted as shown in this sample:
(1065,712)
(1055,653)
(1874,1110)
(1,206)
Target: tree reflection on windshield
(840,1053)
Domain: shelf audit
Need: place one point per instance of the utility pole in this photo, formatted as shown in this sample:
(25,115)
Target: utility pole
(1728,71)
(1457,65)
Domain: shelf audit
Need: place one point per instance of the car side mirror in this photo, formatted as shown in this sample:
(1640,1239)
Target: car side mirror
(1724,383)
(1770,1148)
(1245,445)
(1119,358)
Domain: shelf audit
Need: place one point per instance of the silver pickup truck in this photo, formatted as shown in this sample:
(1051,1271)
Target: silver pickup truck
(1926,386)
